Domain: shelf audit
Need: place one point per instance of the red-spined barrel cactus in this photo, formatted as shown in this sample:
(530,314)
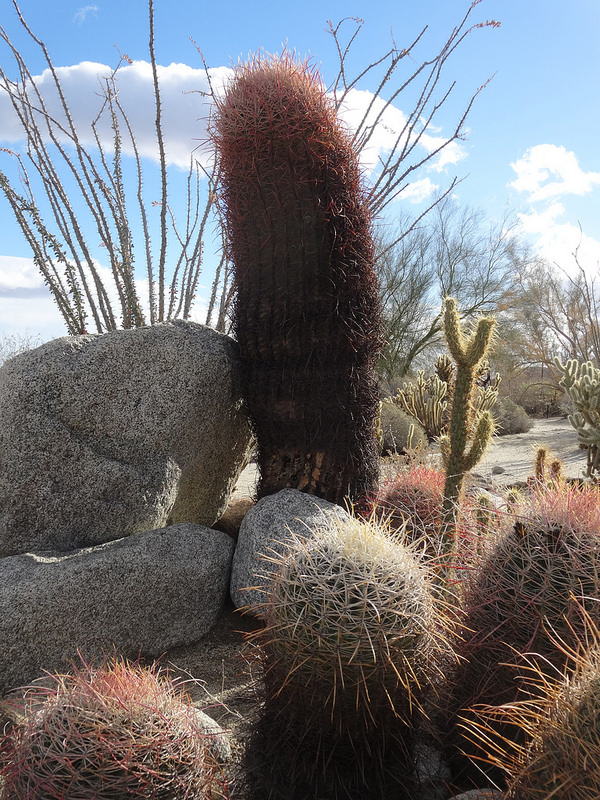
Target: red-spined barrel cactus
(307,314)
(561,730)
(527,590)
(109,732)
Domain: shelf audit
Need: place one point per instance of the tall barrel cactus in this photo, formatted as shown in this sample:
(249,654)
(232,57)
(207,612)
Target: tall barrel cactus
(471,423)
(307,315)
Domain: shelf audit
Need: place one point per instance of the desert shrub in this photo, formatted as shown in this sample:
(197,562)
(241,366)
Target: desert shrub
(510,417)
(396,425)
(109,733)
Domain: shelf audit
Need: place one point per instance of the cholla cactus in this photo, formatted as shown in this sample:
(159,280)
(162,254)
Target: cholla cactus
(582,384)
(426,401)
(471,423)
(352,634)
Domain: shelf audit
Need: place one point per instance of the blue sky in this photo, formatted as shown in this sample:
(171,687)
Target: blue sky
(532,133)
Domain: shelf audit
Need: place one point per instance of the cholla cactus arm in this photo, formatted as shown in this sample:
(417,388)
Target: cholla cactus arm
(582,384)
(482,437)
(469,432)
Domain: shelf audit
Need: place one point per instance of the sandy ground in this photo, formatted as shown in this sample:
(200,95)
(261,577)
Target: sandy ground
(516,454)
(508,460)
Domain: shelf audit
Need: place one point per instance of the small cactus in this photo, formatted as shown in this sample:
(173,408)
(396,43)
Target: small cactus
(114,731)
(352,632)
(426,401)
(411,502)
(400,433)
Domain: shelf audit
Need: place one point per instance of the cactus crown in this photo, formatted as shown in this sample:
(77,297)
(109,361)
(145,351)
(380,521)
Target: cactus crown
(348,607)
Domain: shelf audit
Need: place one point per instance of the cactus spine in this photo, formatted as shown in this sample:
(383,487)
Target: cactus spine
(352,637)
(582,384)
(307,314)
(471,424)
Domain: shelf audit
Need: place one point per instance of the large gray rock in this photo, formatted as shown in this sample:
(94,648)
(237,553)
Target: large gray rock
(266,529)
(142,594)
(105,436)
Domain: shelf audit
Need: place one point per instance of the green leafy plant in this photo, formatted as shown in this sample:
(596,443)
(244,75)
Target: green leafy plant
(307,315)
(510,417)
(110,732)
(352,639)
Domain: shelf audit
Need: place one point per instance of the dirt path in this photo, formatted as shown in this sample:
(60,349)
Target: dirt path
(515,455)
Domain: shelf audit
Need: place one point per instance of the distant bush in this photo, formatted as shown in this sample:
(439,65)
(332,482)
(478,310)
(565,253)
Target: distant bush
(395,427)
(510,417)
(13,344)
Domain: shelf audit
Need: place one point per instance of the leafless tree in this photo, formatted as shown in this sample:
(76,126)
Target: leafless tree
(116,208)
(452,253)
(553,311)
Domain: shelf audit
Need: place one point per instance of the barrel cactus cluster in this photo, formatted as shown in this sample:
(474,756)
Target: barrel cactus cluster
(372,650)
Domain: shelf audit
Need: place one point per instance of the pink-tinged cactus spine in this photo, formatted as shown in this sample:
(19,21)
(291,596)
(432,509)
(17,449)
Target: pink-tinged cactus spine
(307,315)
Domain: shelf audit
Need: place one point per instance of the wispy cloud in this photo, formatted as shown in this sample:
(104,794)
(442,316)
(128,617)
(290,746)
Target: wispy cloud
(548,171)
(82,13)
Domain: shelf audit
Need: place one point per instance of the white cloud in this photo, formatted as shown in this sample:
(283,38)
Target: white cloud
(185,111)
(417,191)
(548,171)
(19,273)
(184,108)
(391,122)
(26,302)
(557,240)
